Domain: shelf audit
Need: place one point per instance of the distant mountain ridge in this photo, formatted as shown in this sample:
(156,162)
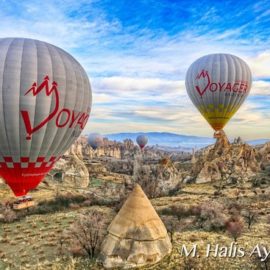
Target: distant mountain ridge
(167,139)
(259,141)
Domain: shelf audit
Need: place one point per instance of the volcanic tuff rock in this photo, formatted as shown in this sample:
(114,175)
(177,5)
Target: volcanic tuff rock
(163,171)
(231,163)
(83,150)
(158,177)
(265,154)
(73,169)
(136,236)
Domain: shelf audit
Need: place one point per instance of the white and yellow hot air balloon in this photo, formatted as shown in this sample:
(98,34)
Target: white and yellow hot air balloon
(218,84)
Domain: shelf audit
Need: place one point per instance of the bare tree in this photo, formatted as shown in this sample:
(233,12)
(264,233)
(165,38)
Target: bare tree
(171,225)
(180,211)
(88,232)
(250,216)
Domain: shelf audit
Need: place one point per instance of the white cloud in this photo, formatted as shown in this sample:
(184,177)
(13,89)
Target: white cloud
(260,64)
(260,88)
(138,84)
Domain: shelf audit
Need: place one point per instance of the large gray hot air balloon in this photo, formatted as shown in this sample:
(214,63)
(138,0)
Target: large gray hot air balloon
(46,102)
(218,84)
(95,140)
(142,140)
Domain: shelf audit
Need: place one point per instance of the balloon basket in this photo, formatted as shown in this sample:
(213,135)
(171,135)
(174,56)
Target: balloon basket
(24,202)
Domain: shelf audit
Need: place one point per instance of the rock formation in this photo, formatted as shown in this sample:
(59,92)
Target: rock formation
(222,144)
(231,163)
(136,236)
(73,170)
(157,178)
(265,155)
(193,158)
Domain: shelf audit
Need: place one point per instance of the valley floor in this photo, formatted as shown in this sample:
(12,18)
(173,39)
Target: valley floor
(39,241)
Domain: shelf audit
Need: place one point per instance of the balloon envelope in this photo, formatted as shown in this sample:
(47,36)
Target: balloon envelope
(95,140)
(45,104)
(142,141)
(218,84)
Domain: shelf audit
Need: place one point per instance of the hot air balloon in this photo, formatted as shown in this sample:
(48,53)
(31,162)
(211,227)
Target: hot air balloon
(218,84)
(142,141)
(95,140)
(45,104)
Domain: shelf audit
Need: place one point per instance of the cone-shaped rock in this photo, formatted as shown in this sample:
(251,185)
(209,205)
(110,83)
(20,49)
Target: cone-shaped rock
(136,236)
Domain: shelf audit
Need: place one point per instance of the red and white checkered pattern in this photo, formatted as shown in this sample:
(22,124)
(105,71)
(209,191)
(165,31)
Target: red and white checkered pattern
(41,162)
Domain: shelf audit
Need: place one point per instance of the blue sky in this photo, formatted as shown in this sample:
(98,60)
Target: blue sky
(136,54)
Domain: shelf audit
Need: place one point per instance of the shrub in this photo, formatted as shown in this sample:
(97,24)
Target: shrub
(234,228)
(173,191)
(60,203)
(211,216)
(8,215)
(87,202)
(180,211)
(195,210)
(217,193)
(234,209)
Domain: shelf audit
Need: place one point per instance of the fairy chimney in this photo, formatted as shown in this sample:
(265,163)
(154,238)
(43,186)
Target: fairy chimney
(136,236)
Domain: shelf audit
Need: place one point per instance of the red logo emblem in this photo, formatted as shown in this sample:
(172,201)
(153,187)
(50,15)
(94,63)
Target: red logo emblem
(64,117)
(35,91)
(205,76)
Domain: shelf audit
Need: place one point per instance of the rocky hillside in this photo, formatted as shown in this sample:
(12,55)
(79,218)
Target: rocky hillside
(164,172)
(230,163)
